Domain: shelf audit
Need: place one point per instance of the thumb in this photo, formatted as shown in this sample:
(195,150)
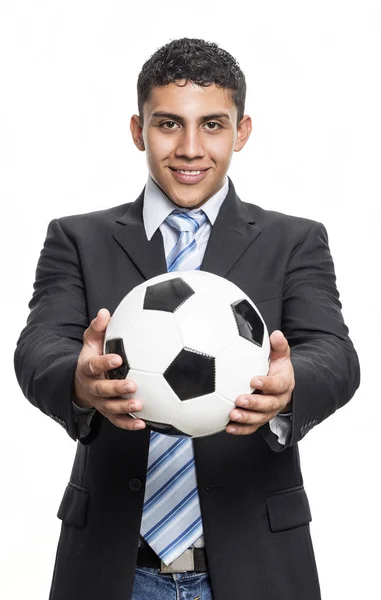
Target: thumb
(279,345)
(94,334)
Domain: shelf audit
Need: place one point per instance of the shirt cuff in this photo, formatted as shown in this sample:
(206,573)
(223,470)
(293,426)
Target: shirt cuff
(281,425)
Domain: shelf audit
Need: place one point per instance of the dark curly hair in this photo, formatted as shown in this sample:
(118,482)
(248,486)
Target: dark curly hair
(196,61)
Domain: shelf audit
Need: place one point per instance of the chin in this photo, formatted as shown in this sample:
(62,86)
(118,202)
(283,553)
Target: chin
(193,199)
(187,202)
(184,196)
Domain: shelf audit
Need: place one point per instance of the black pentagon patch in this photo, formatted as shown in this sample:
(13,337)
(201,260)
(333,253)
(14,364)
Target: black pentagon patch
(166,429)
(191,374)
(167,295)
(116,346)
(250,325)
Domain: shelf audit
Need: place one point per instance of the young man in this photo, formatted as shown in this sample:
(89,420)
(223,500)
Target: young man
(252,539)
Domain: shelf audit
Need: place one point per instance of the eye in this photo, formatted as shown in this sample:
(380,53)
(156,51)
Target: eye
(168,125)
(213,126)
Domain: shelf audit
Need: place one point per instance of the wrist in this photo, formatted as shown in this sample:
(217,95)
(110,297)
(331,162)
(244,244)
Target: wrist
(81,403)
(79,399)
(288,407)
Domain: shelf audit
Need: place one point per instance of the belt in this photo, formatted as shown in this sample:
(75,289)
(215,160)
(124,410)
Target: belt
(193,559)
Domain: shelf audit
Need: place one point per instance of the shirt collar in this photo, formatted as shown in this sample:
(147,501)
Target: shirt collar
(157,206)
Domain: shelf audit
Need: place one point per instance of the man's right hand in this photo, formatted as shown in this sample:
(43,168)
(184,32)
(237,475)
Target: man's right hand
(92,388)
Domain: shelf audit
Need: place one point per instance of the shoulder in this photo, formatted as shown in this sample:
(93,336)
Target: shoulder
(283,225)
(271,217)
(89,226)
(98,217)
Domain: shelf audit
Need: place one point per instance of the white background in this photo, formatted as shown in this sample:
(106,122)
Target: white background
(68,73)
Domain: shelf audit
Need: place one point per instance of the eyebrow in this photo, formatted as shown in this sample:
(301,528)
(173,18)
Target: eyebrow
(203,119)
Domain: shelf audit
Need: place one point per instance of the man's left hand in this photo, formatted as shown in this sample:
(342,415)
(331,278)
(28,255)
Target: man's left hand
(254,410)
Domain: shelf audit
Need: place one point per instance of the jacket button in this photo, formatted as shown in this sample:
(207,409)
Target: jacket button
(135,484)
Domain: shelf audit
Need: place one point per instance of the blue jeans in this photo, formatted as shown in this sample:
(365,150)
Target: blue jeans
(150,584)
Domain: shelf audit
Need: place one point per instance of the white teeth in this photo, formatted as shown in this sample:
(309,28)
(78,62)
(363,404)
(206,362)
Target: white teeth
(188,172)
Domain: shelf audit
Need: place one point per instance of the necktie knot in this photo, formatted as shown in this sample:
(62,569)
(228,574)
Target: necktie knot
(181,220)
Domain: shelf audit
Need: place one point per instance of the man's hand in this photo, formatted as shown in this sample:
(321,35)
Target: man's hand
(254,410)
(91,387)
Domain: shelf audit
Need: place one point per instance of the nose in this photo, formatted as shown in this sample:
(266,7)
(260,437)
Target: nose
(190,144)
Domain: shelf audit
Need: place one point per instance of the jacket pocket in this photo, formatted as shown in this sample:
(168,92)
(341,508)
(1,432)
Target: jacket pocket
(73,507)
(288,509)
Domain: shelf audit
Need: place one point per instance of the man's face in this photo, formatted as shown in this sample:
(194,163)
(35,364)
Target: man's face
(193,129)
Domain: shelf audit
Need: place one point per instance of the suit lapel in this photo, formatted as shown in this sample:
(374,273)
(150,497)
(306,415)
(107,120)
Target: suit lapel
(232,232)
(147,255)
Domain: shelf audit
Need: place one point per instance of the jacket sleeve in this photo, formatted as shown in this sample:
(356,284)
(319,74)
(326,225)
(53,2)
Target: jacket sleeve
(83,419)
(47,350)
(326,366)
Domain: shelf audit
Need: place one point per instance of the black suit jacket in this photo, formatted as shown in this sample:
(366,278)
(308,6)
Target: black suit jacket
(254,508)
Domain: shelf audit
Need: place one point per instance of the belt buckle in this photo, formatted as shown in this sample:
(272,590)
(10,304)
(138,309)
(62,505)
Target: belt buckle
(181,564)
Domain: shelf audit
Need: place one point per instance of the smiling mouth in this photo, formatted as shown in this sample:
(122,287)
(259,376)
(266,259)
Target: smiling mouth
(188,172)
(188,176)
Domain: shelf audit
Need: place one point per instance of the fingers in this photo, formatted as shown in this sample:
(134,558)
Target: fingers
(111,388)
(112,398)
(259,403)
(255,412)
(95,366)
(126,422)
(249,417)
(245,421)
(279,345)
(117,411)
(115,407)
(272,384)
(236,429)
(94,334)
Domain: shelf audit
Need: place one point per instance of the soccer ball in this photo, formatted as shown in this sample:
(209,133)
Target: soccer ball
(191,341)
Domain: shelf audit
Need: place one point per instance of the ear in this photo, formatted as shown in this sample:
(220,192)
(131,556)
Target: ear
(243,132)
(137,132)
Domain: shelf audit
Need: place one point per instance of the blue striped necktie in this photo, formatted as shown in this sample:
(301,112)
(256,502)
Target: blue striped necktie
(171,520)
